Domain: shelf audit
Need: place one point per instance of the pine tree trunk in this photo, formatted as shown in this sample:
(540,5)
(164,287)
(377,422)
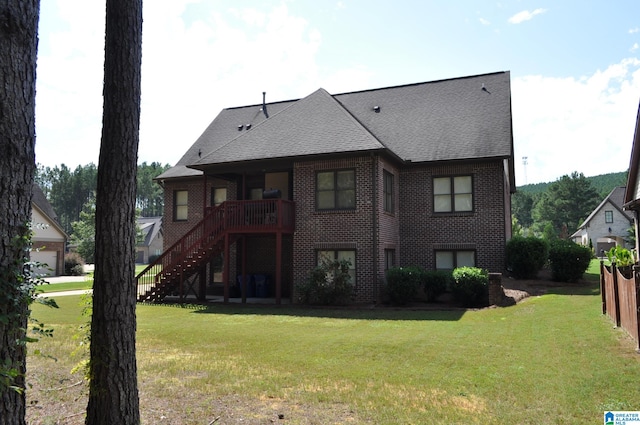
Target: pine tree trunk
(113,393)
(18,47)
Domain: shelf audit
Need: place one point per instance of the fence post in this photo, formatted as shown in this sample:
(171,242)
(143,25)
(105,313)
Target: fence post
(614,270)
(603,294)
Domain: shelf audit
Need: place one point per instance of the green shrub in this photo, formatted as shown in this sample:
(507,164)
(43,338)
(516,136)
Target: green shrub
(526,256)
(153,258)
(435,283)
(73,264)
(327,284)
(403,283)
(621,256)
(568,260)
(471,286)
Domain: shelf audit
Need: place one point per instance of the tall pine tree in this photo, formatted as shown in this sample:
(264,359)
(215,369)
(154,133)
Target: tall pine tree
(18,47)
(113,390)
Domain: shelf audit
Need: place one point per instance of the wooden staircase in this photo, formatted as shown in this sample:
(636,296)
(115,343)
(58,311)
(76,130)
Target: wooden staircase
(170,273)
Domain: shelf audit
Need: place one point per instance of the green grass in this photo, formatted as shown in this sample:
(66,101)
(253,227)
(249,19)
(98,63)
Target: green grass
(66,286)
(550,359)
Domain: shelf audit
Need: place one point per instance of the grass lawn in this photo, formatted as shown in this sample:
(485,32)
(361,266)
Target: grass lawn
(550,359)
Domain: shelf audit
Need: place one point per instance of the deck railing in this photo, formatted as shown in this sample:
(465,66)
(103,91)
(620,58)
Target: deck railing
(260,216)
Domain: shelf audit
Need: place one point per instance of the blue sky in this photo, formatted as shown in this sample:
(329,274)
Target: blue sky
(575,68)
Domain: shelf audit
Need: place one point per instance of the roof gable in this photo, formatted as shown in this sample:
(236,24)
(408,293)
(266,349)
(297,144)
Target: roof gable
(314,125)
(615,199)
(39,201)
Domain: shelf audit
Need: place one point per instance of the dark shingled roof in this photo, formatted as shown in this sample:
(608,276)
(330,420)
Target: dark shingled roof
(454,119)
(40,201)
(150,227)
(43,204)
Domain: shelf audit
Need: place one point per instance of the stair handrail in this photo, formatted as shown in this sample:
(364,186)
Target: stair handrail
(180,245)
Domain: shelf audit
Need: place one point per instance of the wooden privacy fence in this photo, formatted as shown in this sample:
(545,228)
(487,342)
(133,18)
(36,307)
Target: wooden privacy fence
(620,298)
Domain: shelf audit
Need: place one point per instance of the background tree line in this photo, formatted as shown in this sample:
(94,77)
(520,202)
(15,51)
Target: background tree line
(72,192)
(556,209)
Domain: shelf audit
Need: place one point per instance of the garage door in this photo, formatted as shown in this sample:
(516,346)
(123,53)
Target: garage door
(46,257)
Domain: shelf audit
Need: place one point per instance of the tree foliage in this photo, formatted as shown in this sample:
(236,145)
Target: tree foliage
(149,194)
(69,191)
(565,204)
(84,232)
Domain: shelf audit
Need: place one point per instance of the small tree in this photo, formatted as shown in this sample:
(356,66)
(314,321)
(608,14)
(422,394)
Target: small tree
(84,232)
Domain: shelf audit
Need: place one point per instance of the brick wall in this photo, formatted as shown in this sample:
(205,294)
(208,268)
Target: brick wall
(335,230)
(412,230)
(483,230)
(198,198)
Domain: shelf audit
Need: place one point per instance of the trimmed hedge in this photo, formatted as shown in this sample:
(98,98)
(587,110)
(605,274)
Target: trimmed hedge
(471,286)
(568,260)
(435,283)
(403,283)
(526,256)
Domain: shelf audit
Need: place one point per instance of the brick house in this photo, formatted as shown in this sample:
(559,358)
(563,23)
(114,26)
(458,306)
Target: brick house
(49,239)
(419,174)
(607,226)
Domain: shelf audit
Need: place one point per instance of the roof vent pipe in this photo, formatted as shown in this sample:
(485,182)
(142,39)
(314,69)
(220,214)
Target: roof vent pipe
(264,104)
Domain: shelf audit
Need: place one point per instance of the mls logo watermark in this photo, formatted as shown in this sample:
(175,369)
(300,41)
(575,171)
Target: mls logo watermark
(622,418)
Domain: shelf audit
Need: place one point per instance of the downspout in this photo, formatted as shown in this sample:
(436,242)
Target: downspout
(374,220)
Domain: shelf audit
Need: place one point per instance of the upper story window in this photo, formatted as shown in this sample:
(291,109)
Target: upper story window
(180,205)
(336,190)
(388,199)
(608,216)
(453,194)
(218,195)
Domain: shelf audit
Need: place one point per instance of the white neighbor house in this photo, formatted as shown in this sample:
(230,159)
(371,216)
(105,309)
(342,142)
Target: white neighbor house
(607,226)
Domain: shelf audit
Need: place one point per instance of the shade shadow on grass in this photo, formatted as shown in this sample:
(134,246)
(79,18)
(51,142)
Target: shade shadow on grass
(381,313)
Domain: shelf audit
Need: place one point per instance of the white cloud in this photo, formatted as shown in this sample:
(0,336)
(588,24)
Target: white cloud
(525,15)
(634,30)
(484,21)
(635,47)
(194,64)
(567,124)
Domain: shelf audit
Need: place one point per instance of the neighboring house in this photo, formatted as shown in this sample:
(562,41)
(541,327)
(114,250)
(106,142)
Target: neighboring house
(49,239)
(152,239)
(420,174)
(607,226)
(632,193)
